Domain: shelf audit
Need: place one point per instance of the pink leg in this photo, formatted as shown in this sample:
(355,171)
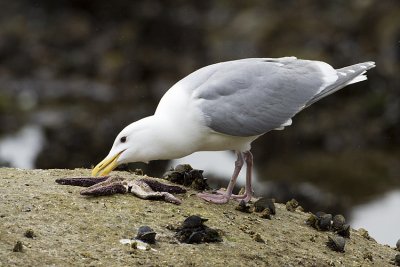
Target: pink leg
(249,173)
(224,196)
(248,194)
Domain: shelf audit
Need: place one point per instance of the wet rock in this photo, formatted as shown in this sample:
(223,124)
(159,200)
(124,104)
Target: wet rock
(18,247)
(185,175)
(29,233)
(291,205)
(146,234)
(193,231)
(336,243)
(265,203)
(243,207)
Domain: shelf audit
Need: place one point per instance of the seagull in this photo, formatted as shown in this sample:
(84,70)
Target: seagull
(226,106)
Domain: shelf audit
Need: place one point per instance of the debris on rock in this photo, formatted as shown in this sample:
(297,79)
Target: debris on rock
(368,256)
(193,231)
(291,205)
(18,247)
(243,207)
(29,233)
(364,233)
(185,175)
(257,237)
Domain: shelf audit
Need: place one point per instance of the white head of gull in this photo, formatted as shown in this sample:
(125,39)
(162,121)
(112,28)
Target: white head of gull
(226,106)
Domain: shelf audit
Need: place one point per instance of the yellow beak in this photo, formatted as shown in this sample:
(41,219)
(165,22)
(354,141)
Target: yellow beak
(106,165)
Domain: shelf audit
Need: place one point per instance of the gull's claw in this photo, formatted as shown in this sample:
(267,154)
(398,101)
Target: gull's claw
(143,188)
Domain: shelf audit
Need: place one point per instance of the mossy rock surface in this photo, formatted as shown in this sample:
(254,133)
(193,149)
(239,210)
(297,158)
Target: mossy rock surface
(73,230)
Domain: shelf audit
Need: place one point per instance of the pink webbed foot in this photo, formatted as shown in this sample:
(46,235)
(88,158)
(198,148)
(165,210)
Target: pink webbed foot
(214,198)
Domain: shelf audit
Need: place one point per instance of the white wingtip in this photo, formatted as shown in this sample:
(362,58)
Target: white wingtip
(358,79)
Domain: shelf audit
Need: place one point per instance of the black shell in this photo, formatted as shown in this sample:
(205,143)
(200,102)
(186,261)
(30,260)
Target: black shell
(336,243)
(324,222)
(146,234)
(397,260)
(193,221)
(264,203)
(398,245)
(344,231)
(243,207)
(338,222)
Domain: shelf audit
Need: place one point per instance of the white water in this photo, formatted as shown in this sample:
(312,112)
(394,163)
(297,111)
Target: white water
(381,217)
(21,149)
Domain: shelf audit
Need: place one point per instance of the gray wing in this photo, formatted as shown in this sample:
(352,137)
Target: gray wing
(253,96)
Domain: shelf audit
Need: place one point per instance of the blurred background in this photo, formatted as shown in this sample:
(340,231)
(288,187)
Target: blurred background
(74,73)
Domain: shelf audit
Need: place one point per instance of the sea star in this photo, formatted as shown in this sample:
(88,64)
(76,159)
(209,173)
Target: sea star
(144,188)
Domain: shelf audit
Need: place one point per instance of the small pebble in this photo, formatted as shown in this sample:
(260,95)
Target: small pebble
(368,256)
(18,247)
(243,207)
(257,237)
(266,214)
(364,233)
(291,205)
(29,233)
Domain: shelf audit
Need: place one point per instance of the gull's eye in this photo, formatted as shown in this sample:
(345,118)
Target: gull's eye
(123,139)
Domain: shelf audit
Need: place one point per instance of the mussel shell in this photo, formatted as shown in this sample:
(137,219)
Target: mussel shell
(146,234)
(183,168)
(344,231)
(195,237)
(324,222)
(336,243)
(264,203)
(398,245)
(338,222)
(193,221)
(397,260)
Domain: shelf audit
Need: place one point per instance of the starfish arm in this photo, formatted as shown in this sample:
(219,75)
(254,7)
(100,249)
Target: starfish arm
(82,181)
(162,187)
